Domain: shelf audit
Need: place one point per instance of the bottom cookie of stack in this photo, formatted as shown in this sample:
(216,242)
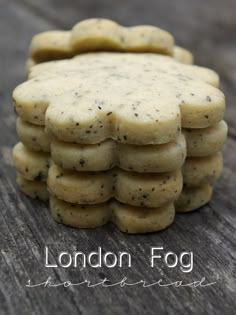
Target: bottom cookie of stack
(33,188)
(126,218)
(192,198)
(133,202)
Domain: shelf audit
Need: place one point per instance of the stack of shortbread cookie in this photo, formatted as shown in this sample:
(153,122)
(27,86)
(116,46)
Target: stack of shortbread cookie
(113,136)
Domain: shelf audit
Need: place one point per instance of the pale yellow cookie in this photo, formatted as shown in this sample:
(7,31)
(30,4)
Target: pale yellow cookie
(206,141)
(51,46)
(132,219)
(151,158)
(160,158)
(132,108)
(99,34)
(34,189)
(193,198)
(148,190)
(128,219)
(79,216)
(33,136)
(102,34)
(180,54)
(192,71)
(183,55)
(30,164)
(28,65)
(200,170)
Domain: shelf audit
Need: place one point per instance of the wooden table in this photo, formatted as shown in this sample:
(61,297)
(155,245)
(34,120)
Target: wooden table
(208,28)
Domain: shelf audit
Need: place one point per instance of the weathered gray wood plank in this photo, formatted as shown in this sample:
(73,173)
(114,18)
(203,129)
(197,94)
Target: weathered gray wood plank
(26,226)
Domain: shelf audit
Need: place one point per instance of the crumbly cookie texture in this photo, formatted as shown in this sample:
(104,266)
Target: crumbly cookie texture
(133,98)
(32,136)
(145,190)
(99,35)
(192,198)
(200,170)
(127,218)
(206,141)
(30,164)
(150,158)
(33,188)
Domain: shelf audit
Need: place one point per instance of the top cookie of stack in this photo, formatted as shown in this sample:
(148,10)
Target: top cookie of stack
(103,35)
(129,110)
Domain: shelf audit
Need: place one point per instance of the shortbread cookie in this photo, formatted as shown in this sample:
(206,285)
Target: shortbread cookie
(99,34)
(206,141)
(29,64)
(33,136)
(147,190)
(79,216)
(183,55)
(34,166)
(179,53)
(31,165)
(34,189)
(132,219)
(200,142)
(132,108)
(150,158)
(200,170)
(102,34)
(193,198)
(114,59)
(51,45)
(128,219)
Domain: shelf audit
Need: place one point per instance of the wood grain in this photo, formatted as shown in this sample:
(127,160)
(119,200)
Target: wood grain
(206,27)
